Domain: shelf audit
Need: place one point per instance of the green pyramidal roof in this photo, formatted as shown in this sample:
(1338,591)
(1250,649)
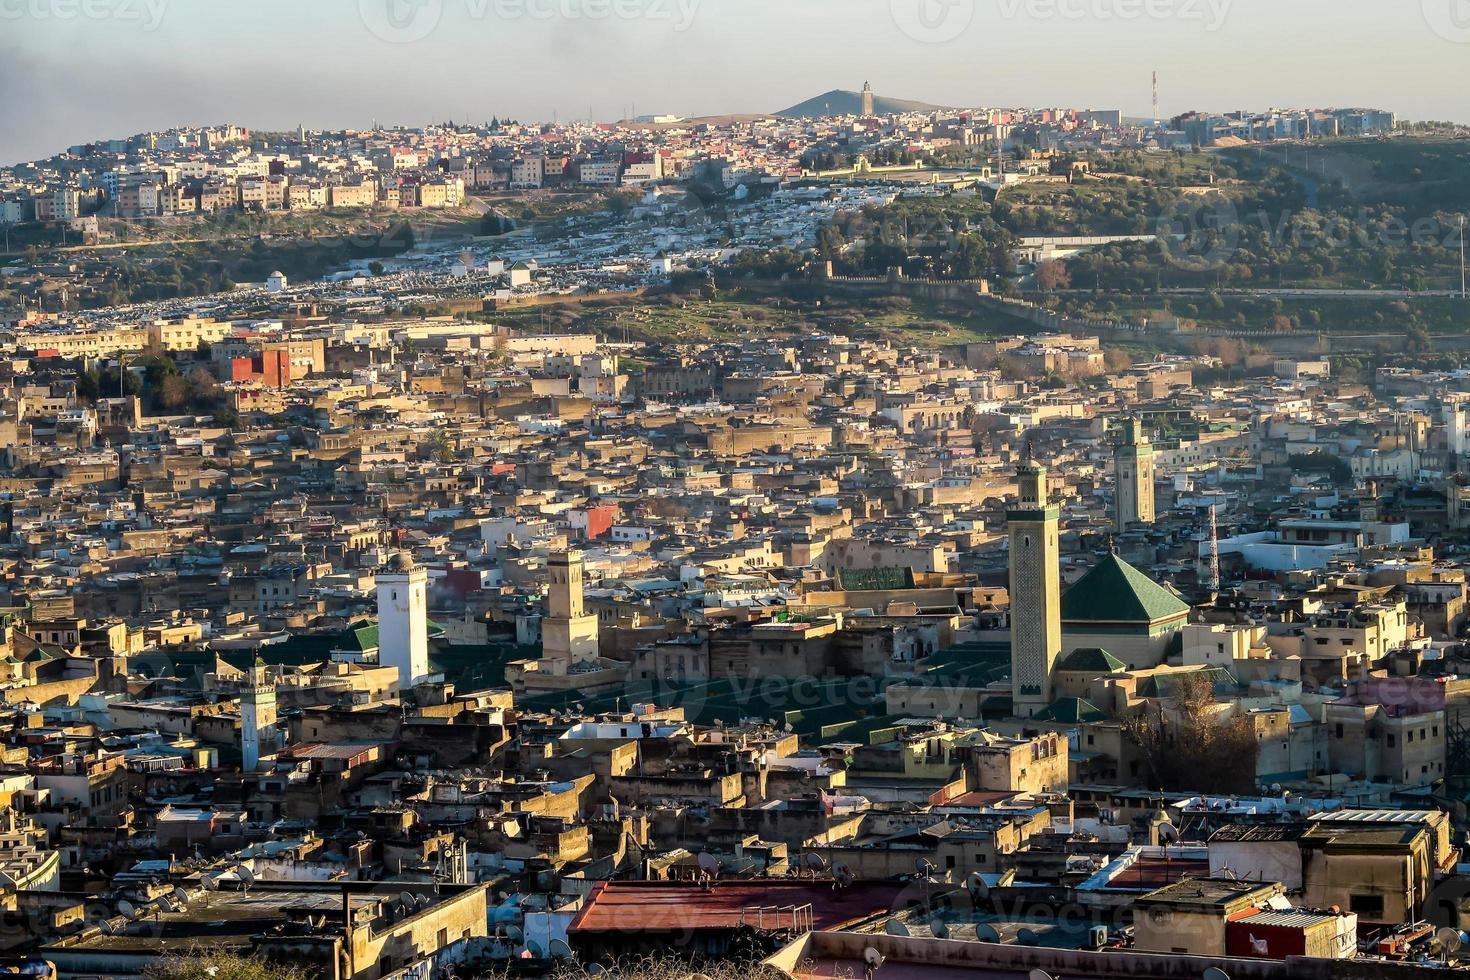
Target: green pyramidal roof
(1091,658)
(1070,711)
(1116,592)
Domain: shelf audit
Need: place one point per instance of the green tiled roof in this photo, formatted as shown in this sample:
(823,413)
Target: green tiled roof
(1116,592)
(1091,659)
(1069,711)
(1164,685)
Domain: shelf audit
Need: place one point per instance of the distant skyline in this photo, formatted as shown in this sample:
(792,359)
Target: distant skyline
(82,70)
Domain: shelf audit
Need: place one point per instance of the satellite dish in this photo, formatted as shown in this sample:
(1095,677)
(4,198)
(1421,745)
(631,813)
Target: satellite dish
(872,957)
(814,861)
(1449,940)
(165,903)
(127,908)
(245,875)
(938,929)
(924,867)
(896,928)
(559,950)
(181,896)
(1027,937)
(977,885)
(1039,974)
(1168,833)
(514,934)
(407,899)
(106,926)
(534,950)
(985,933)
(708,863)
(209,884)
(1215,973)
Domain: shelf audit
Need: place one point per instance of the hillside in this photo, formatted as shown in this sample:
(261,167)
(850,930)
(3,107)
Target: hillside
(840,102)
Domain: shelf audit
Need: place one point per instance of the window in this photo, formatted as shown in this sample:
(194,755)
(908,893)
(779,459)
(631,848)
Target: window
(1366,904)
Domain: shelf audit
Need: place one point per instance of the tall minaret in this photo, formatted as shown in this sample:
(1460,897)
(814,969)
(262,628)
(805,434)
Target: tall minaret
(403,620)
(568,634)
(1133,475)
(1036,592)
(867,100)
(257,717)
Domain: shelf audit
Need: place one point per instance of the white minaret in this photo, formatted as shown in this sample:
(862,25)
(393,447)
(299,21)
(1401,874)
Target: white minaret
(258,735)
(403,620)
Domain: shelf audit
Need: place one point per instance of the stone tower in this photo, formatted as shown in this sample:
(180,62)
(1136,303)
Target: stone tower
(1036,592)
(1133,473)
(403,621)
(568,634)
(867,100)
(257,718)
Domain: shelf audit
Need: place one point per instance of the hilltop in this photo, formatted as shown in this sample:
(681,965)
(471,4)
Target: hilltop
(841,102)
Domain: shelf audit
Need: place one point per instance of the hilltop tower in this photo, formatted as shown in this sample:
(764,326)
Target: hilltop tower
(1036,592)
(403,620)
(258,735)
(868,100)
(1133,473)
(568,634)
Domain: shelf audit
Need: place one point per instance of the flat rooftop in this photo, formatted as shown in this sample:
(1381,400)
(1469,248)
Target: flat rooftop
(653,906)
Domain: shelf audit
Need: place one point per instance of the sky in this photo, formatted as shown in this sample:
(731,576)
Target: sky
(74,71)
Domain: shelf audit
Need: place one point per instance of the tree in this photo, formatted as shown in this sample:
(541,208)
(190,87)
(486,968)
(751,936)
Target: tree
(174,392)
(1051,276)
(222,966)
(1190,745)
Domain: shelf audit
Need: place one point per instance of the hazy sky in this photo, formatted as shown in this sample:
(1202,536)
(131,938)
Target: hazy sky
(79,70)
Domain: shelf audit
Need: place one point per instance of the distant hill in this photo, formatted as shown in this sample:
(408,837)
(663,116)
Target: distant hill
(840,102)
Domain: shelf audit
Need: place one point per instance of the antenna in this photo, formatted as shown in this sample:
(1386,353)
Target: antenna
(1214,551)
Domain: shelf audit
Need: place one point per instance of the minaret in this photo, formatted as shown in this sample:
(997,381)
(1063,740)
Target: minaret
(568,634)
(403,620)
(1133,475)
(257,717)
(1036,592)
(867,100)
